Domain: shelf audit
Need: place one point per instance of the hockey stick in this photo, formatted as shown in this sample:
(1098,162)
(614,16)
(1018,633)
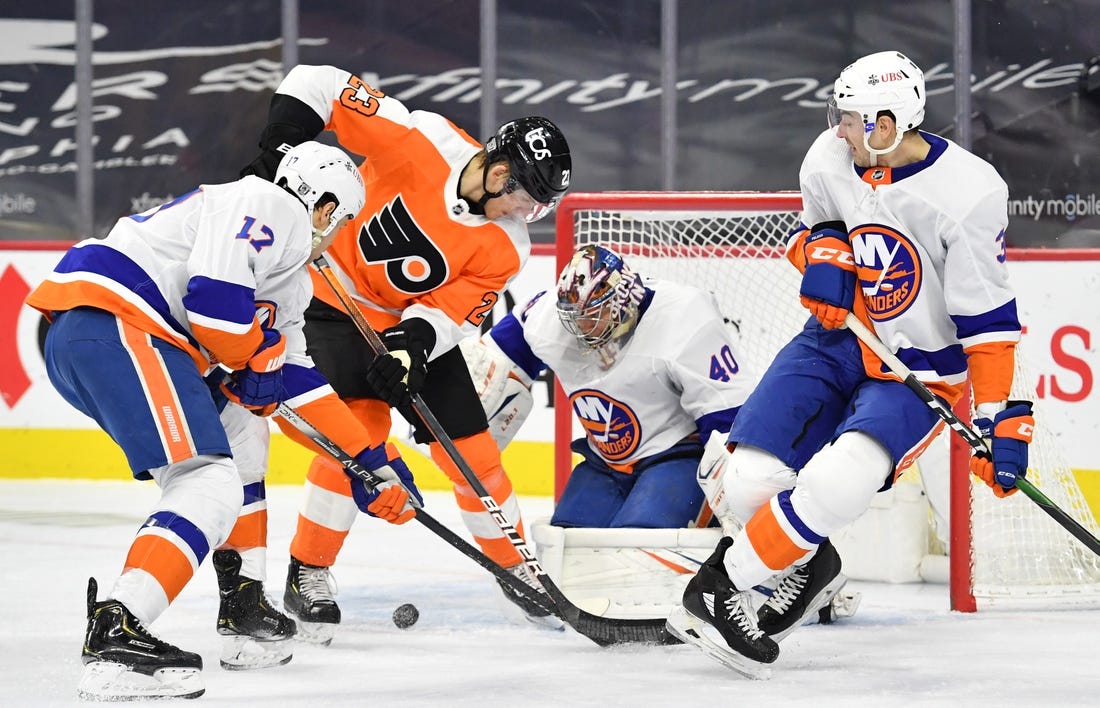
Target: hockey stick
(529,596)
(965,431)
(602,630)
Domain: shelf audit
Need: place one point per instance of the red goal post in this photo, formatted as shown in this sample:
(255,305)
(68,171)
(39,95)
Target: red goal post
(732,243)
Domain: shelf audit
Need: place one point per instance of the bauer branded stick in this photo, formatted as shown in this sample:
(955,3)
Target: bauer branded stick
(967,433)
(602,630)
(532,598)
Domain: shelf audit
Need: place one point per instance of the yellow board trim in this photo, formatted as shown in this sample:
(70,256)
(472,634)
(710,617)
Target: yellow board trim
(91,454)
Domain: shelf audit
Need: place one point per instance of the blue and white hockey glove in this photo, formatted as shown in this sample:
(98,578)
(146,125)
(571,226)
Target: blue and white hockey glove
(388,501)
(1009,433)
(829,281)
(259,385)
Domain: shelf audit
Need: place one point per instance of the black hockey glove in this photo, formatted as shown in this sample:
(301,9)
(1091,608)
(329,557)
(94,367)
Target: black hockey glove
(399,375)
(291,123)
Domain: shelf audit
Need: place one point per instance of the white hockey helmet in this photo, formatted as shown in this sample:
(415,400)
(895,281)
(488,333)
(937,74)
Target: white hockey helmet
(885,81)
(313,170)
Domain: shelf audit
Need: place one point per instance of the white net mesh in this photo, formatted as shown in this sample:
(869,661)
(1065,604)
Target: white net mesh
(737,255)
(1019,552)
(735,250)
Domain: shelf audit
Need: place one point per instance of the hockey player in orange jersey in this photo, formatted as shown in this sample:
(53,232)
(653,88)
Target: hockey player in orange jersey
(443,231)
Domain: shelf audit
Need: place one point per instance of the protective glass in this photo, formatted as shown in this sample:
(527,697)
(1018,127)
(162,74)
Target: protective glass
(531,209)
(838,117)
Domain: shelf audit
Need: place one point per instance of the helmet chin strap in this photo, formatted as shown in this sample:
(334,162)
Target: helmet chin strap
(478,207)
(875,152)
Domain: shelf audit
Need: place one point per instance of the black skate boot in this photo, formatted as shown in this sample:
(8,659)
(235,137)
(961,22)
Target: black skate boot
(256,634)
(123,661)
(712,602)
(522,609)
(309,598)
(804,591)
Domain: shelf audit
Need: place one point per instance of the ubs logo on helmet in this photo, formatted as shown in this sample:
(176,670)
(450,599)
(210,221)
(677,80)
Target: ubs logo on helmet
(611,426)
(536,141)
(889,270)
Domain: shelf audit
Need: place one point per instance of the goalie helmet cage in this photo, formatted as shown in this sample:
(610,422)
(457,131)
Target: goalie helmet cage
(1002,551)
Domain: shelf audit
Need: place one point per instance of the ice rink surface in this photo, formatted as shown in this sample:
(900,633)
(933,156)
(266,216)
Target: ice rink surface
(903,648)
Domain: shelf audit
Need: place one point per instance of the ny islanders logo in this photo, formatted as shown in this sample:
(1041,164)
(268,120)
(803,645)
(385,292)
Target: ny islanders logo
(889,270)
(611,426)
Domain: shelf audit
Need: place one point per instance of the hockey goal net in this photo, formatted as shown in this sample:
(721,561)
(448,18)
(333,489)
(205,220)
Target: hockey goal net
(1002,551)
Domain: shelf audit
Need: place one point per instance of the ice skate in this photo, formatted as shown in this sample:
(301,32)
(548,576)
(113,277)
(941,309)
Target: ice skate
(310,599)
(123,661)
(521,609)
(713,607)
(803,592)
(256,635)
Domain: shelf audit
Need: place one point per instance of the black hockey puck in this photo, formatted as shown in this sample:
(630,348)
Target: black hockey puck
(406,616)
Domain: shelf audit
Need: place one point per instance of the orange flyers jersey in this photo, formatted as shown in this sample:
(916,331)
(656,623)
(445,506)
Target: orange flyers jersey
(415,250)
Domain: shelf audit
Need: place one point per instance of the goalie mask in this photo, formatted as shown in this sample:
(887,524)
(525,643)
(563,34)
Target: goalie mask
(312,171)
(538,162)
(886,81)
(598,300)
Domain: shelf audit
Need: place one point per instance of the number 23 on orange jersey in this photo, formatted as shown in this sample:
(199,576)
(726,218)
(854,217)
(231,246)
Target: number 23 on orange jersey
(349,97)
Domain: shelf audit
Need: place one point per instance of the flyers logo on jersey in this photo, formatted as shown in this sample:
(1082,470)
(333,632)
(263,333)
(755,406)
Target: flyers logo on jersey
(414,264)
(611,426)
(889,270)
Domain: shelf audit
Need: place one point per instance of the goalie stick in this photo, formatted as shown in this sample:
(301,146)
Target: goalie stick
(530,597)
(604,631)
(967,433)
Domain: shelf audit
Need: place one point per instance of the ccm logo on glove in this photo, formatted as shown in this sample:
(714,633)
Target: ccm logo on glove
(821,254)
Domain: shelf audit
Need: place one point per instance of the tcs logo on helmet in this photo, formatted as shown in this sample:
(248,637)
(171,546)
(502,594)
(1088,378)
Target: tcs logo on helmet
(536,140)
(611,426)
(889,270)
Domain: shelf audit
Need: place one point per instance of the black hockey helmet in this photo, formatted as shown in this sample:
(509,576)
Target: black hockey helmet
(537,156)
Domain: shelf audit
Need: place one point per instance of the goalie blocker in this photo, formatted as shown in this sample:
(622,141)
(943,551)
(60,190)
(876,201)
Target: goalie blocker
(624,573)
(505,392)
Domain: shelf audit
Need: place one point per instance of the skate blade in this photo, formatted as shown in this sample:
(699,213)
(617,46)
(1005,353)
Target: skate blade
(516,615)
(315,632)
(246,653)
(111,681)
(812,610)
(845,604)
(691,630)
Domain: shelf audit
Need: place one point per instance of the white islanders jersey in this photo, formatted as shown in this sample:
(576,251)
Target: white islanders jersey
(677,375)
(929,246)
(206,271)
